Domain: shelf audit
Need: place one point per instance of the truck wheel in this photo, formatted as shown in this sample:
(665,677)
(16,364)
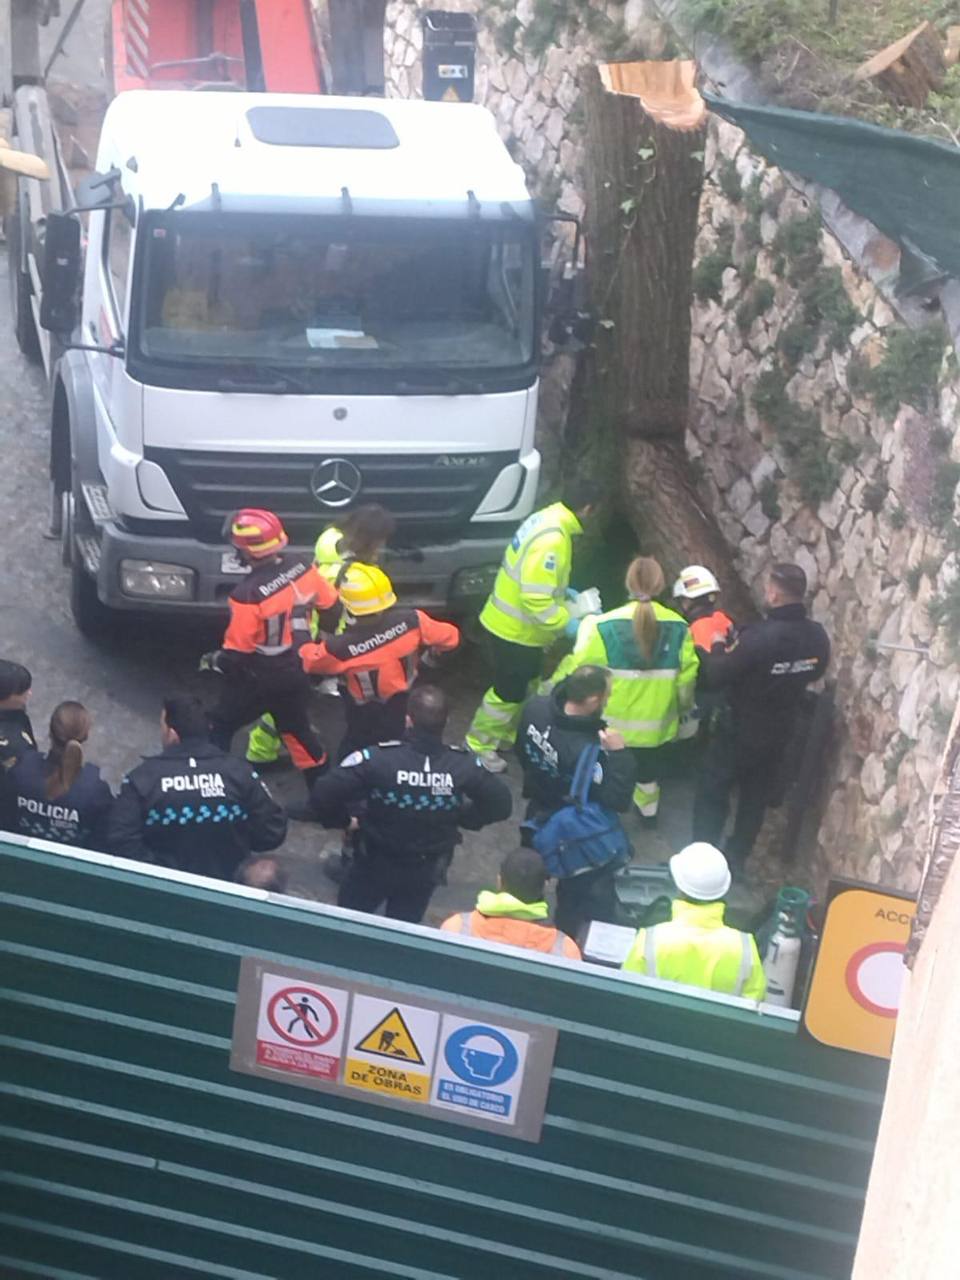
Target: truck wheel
(94,619)
(20,291)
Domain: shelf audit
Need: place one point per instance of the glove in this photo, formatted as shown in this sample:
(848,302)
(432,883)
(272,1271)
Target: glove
(689,724)
(211,662)
(572,595)
(571,629)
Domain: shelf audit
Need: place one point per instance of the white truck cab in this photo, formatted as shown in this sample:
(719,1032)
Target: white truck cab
(298,303)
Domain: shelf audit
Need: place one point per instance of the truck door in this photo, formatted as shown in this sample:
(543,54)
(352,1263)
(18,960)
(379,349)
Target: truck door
(117,411)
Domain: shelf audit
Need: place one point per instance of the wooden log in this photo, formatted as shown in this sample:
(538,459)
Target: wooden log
(643,194)
(908,70)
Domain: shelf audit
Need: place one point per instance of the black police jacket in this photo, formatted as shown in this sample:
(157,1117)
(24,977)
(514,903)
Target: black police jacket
(196,808)
(416,795)
(549,743)
(764,671)
(77,817)
(16,737)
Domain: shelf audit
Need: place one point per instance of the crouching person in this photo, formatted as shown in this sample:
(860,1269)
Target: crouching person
(516,915)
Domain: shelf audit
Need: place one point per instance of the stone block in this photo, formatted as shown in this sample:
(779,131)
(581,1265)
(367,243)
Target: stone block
(714,389)
(729,138)
(755,522)
(765,469)
(516,78)
(554,127)
(883,314)
(566,93)
(741,497)
(873,778)
(571,201)
(908,712)
(804,558)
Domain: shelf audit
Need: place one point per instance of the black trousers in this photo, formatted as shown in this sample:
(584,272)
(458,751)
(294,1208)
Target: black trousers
(591,896)
(754,770)
(282,691)
(403,889)
(371,722)
(514,667)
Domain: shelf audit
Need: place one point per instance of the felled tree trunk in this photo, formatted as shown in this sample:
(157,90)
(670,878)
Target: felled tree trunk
(643,194)
(909,69)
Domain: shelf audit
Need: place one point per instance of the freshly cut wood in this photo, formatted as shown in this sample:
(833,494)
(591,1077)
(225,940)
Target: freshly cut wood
(909,69)
(667,90)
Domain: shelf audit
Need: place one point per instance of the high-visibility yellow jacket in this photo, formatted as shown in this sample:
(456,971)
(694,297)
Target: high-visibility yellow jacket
(325,554)
(647,699)
(528,604)
(699,950)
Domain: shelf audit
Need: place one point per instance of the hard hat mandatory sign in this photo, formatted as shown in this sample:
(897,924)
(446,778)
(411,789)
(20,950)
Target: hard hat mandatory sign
(300,1026)
(370,1043)
(392,1048)
(482,1068)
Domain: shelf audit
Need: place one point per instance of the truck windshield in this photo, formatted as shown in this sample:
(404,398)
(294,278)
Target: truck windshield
(224,291)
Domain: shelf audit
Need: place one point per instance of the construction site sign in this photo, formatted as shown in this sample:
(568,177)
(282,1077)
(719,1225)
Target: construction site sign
(372,1044)
(392,1048)
(854,992)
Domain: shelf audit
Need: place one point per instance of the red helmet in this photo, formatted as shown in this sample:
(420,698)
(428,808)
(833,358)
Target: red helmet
(258,533)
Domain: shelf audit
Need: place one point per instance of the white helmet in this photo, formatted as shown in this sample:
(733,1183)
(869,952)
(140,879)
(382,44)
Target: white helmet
(701,871)
(695,581)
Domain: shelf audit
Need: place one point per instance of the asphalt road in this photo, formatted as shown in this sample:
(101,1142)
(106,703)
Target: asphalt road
(123,682)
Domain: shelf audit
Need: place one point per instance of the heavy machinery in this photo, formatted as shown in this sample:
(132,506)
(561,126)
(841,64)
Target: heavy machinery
(283,299)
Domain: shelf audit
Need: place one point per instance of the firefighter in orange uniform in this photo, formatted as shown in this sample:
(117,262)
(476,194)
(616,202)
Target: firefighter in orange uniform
(269,619)
(377,656)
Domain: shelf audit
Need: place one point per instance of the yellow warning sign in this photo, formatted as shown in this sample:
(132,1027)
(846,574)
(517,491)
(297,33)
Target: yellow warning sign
(391,1038)
(855,989)
(450,94)
(411,1086)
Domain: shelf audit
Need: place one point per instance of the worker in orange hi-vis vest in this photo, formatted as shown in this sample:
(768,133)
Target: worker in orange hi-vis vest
(695,593)
(269,619)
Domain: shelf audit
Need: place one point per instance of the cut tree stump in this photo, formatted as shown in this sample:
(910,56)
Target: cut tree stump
(908,70)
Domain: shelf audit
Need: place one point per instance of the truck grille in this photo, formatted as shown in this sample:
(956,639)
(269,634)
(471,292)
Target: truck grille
(432,497)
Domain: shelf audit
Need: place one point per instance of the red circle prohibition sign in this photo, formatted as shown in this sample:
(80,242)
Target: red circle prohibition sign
(296,1015)
(852,976)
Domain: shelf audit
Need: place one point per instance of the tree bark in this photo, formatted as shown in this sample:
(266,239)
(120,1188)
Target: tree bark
(643,194)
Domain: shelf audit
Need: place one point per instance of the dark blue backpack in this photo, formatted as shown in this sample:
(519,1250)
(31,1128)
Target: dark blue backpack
(583,835)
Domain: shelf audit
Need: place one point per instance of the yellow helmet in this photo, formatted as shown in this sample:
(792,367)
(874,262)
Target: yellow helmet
(365,588)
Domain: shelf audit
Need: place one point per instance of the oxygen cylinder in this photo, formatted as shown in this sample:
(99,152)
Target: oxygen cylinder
(783,950)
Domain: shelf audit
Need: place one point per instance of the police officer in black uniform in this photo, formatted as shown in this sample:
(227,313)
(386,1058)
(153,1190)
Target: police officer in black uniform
(16,731)
(194,807)
(410,798)
(763,671)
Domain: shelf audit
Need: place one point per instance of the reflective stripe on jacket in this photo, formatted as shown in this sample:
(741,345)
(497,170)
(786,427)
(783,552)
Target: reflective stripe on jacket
(268,607)
(528,603)
(696,948)
(646,699)
(532,934)
(379,655)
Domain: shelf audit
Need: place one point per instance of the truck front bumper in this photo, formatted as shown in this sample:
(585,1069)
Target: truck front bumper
(182,575)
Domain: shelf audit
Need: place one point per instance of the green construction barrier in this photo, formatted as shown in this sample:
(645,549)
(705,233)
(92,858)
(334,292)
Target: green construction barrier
(682,1137)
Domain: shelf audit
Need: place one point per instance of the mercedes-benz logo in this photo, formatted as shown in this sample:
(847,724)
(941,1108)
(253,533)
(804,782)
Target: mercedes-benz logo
(335,482)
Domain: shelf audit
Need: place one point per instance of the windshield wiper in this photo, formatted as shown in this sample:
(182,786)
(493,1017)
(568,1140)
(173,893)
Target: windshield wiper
(444,384)
(268,381)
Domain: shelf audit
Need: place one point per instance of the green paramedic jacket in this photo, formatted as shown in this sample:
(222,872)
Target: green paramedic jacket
(647,700)
(528,603)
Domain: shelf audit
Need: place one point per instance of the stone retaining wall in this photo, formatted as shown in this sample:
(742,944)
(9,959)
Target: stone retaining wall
(802,451)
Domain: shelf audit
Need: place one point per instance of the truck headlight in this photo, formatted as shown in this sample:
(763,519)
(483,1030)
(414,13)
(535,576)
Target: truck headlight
(474,582)
(152,579)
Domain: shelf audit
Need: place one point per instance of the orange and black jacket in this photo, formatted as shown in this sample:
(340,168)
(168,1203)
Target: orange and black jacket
(270,607)
(378,657)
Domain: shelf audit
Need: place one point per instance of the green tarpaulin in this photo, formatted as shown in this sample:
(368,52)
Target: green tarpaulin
(908,187)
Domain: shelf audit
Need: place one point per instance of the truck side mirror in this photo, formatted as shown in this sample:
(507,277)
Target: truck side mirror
(60,305)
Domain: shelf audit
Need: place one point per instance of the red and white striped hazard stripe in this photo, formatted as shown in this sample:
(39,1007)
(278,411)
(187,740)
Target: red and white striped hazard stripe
(138,37)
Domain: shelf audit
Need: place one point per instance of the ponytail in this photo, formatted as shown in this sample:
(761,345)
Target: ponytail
(644,582)
(69,727)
